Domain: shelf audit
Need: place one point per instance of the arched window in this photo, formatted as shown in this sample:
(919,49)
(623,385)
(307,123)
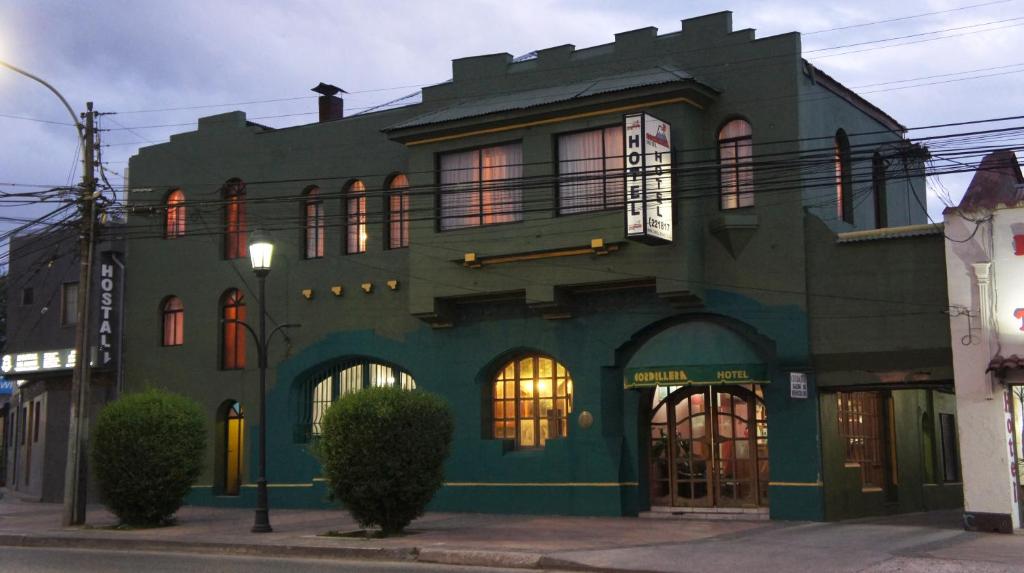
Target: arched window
(532,400)
(173,322)
(878,187)
(236,240)
(735,151)
(175,226)
(232,334)
(325,387)
(398,212)
(314,223)
(355,210)
(844,179)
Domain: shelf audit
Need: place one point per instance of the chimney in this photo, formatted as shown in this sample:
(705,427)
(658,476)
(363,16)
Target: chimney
(332,107)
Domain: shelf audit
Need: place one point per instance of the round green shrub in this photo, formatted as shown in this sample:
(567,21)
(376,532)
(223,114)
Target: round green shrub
(383,452)
(146,453)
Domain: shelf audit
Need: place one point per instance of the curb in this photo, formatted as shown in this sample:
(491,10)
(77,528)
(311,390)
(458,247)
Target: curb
(308,552)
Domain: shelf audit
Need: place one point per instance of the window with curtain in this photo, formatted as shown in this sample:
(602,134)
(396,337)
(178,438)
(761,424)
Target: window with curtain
(531,400)
(862,431)
(590,170)
(398,212)
(325,387)
(232,334)
(173,322)
(735,162)
(355,212)
(175,225)
(236,239)
(314,225)
(844,178)
(69,304)
(481,187)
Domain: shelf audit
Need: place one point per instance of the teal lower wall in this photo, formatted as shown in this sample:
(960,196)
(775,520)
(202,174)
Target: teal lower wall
(600,470)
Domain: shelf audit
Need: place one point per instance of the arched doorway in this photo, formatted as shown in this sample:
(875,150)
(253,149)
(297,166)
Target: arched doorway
(709,446)
(234,447)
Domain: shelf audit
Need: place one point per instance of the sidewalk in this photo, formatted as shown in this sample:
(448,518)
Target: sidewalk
(918,542)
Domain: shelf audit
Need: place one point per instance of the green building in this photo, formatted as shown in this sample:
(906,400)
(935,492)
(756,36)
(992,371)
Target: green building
(490,241)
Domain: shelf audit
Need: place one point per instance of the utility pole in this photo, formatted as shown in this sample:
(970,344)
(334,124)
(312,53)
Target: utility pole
(76,470)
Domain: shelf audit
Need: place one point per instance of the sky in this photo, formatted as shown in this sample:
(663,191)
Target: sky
(131,57)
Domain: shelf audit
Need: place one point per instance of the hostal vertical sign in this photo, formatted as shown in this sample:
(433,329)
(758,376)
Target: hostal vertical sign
(648,179)
(108,335)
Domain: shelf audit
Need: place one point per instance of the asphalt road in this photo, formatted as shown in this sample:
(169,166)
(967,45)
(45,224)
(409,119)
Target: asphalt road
(19,559)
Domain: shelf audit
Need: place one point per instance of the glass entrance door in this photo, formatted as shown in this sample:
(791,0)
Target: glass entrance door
(709,446)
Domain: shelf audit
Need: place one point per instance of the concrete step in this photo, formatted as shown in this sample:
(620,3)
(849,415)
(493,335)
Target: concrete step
(712,513)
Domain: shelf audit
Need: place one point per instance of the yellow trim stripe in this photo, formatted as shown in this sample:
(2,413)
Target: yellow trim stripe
(252,485)
(557,120)
(796,483)
(543,484)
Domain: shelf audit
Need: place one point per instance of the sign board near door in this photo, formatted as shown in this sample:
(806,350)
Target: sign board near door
(652,376)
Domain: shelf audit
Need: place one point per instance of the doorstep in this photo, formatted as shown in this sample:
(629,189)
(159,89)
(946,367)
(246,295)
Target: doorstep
(717,513)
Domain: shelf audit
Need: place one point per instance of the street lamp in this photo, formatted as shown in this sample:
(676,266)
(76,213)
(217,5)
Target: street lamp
(260,252)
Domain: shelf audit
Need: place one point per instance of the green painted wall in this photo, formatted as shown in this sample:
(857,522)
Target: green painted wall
(745,270)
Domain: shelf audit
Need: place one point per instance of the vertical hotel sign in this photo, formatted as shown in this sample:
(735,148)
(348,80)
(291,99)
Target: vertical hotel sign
(648,178)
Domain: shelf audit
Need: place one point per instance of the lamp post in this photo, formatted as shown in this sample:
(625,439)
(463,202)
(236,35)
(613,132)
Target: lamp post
(260,252)
(75,472)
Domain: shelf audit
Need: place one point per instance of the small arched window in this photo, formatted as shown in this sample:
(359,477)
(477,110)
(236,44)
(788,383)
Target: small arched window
(735,156)
(844,179)
(531,401)
(236,240)
(325,387)
(314,226)
(355,211)
(173,322)
(175,226)
(398,212)
(232,334)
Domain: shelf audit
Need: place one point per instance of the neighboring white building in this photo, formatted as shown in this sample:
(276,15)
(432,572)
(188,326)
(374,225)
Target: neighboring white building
(985,275)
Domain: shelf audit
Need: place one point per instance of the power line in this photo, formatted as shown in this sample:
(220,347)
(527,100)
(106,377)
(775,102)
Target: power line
(902,18)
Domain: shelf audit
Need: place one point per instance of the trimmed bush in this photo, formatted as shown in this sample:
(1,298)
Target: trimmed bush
(146,453)
(383,452)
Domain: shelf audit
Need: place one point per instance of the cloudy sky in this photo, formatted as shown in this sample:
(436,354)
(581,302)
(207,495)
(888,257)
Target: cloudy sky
(131,57)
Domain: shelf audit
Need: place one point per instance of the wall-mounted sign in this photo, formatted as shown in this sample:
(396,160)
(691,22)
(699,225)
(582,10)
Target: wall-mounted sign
(42,361)
(6,386)
(798,385)
(648,178)
(695,375)
(107,336)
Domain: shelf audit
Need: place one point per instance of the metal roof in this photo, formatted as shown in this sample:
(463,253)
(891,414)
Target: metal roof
(532,98)
(890,233)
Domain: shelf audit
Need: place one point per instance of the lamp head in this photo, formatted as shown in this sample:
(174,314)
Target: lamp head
(260,251)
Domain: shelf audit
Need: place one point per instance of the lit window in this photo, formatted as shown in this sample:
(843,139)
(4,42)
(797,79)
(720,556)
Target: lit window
(481,187)
(175,214)
(355,209)
(314,223)
(844,179)
(398,212)
(532,400)
(173,322)
(232,333)
(861,430)
(590,170)
(735,151)
(324,388)
(69,304)
(236,241)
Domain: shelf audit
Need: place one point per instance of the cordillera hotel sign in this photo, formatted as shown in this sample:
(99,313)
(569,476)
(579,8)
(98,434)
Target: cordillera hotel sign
(693,375)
